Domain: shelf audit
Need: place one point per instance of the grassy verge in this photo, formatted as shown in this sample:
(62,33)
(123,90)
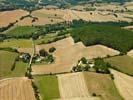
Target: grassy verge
(48,87)
(122,63)
(102,85)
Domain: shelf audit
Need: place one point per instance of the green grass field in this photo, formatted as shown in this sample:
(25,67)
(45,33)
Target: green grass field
(102,85)
(122,63)
(16,43)
(49,37)
(46,38)
(7,59)
(22,31)
(48,87)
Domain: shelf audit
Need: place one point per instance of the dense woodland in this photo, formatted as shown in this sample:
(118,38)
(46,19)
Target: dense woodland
(111,36)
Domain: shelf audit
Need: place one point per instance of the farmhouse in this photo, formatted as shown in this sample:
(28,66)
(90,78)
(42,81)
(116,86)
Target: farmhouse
(25,56)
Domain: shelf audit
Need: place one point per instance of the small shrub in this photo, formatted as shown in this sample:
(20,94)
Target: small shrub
(112,76)
(52,49)
(94,94)
(43,53)
(13,66)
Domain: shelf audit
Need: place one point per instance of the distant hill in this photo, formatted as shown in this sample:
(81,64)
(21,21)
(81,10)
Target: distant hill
(35,4)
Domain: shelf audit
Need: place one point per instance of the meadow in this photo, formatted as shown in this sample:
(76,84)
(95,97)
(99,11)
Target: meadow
(16,43)
(22,31)
(48,38)
(7,62)
(122,63)
(48,87)
(102,85)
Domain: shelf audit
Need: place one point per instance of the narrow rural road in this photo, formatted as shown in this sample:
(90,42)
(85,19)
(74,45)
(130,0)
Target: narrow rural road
(33,52)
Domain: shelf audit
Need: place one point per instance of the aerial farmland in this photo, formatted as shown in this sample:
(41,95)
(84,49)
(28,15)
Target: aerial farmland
(66,50)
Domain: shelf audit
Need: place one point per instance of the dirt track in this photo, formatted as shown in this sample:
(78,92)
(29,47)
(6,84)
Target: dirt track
(73,87)
(124,84)
(16,89)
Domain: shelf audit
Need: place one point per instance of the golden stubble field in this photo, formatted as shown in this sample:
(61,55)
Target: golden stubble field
(52,16)
(103,13)
(124,84)
(130,53)
(67,55)
(16,89)
(7,17)
(73,87)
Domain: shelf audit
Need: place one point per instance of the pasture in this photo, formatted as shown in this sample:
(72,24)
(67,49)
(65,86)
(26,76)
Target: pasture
(48,38)
(16,89)
(20,31)
(123,83)
(16,43)
(7,61)
(102,85)
(25,22)
(22,45)
(122,63)
(48,87)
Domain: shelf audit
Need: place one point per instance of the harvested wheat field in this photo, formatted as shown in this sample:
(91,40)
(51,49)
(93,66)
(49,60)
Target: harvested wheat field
(52,16)
(46,16)
(16,89)
(99,51)
(63,62)
(130,53)
(109,7)
(12,16)
(25,22)
(67,55)
(129,27)
(102,85)
(129,5)
(58,44)
(69,15)
(73,86)
(124,84)
(99,16)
